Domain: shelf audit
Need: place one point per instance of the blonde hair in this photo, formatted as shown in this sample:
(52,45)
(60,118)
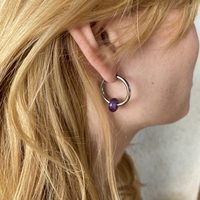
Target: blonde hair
(45,144)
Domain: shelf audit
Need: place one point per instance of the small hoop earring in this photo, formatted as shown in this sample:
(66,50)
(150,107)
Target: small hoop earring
(114,103)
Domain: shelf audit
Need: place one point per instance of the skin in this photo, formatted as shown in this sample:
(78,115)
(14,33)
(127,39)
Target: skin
(160,78)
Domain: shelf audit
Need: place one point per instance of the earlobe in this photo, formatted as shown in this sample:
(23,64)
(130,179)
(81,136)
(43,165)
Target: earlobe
(89,46)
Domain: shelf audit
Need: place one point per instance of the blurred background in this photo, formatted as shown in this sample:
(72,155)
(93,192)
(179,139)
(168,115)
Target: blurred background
(167,158)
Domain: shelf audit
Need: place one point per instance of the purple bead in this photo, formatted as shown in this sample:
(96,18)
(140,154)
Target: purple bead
(113,105)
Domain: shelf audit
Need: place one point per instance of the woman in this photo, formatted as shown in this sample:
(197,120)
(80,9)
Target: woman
(58,138)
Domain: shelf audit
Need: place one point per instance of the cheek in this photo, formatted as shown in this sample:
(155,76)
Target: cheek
(173,101)
(168,98)
(161,80)
(163,102)
(172,84)
(163,91)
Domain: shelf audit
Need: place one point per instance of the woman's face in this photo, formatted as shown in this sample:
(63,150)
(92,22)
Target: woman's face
(160,78)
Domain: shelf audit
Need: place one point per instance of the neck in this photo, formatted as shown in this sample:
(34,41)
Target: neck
(121,140)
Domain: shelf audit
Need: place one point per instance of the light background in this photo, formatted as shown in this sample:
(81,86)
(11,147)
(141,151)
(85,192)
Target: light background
(167,158)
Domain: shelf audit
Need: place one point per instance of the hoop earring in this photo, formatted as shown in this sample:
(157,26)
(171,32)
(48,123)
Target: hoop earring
(114,103)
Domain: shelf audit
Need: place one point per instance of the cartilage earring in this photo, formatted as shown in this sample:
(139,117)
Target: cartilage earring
(113,103)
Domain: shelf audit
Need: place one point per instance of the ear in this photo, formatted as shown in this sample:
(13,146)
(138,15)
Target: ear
(89,46)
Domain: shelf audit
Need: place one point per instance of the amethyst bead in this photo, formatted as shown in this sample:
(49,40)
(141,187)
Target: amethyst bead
(113,105)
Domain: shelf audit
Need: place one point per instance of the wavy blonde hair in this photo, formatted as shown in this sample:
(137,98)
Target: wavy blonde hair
(46,150)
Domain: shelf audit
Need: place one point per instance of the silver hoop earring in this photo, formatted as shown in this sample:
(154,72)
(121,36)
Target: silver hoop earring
(113,103)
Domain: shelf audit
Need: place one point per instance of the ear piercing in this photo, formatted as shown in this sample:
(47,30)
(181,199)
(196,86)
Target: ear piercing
(113,103)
